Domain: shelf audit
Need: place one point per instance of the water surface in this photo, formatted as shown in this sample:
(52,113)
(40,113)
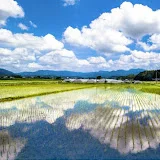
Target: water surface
(97,123)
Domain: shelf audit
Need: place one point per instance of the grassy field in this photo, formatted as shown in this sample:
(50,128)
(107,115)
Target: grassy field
(150,87)
(17,89)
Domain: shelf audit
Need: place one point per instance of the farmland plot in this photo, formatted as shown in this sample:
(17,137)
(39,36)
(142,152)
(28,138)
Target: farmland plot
(108,122)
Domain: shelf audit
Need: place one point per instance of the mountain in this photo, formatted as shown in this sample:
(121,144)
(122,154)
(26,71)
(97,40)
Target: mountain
(148,75)
(4,72)
(104,74)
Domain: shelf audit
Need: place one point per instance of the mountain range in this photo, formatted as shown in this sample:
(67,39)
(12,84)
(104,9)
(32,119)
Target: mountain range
(4,72)
(104,74)
(139,74)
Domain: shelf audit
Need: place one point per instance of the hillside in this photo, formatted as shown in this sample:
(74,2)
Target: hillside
(4,72)
(148,75)
(104,74)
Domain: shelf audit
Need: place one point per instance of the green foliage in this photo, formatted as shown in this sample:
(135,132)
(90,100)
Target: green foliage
(129,77)
(147,75)
(17,89)
(99,77)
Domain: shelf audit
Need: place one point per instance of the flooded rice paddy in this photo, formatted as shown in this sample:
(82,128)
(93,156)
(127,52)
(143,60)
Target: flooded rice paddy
(97,123)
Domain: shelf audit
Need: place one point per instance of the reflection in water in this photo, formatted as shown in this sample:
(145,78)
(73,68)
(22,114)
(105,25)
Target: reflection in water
(9,148)
(47,108)
(127,121)
(128,124)
(31,110)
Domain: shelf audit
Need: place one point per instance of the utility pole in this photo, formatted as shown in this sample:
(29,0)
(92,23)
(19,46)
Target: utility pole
(156,76)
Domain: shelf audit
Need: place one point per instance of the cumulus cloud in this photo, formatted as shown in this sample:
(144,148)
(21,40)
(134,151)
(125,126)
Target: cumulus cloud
(113,31)
(102,40)
(35,66)
(22,26)
(66,60)
(16,59)
(63,60)
(25,51)
(137,59)
(69,2)
(9,8)
(28,40)
(152,44)
(136,20)
(96,60)
(109,34)
(19,50)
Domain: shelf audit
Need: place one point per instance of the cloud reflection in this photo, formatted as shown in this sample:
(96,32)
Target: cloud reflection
(129,125)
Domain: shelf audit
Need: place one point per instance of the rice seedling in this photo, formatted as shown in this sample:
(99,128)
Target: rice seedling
(119,126)
(124,120)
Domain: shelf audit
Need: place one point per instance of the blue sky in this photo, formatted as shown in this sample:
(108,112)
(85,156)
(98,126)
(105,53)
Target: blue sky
(79,35)
(52,17)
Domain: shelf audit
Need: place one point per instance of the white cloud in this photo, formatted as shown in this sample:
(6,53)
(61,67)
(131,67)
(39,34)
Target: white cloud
(96,60)
(16,59)
(69,2)
(137,20)
(137,59)
(9,8)
(25,52)
(113,32)
(57,57)
(134,21)
(28,40)
(23,59)
(22,26)
(35,66)
(153,43)
(66,60)
(19,50)
(32,24)
(109,34)
(102,40)
(63,60)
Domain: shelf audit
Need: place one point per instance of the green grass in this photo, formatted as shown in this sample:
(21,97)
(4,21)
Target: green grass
(144,87)
(12,90)
(17,89)
(27,81)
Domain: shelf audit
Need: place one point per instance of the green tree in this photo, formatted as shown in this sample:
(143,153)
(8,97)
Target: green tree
(99,77)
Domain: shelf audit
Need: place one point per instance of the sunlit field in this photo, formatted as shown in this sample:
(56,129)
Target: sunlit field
(94,123)
(16,89)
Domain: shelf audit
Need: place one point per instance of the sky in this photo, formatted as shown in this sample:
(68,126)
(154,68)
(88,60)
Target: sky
(79,35)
